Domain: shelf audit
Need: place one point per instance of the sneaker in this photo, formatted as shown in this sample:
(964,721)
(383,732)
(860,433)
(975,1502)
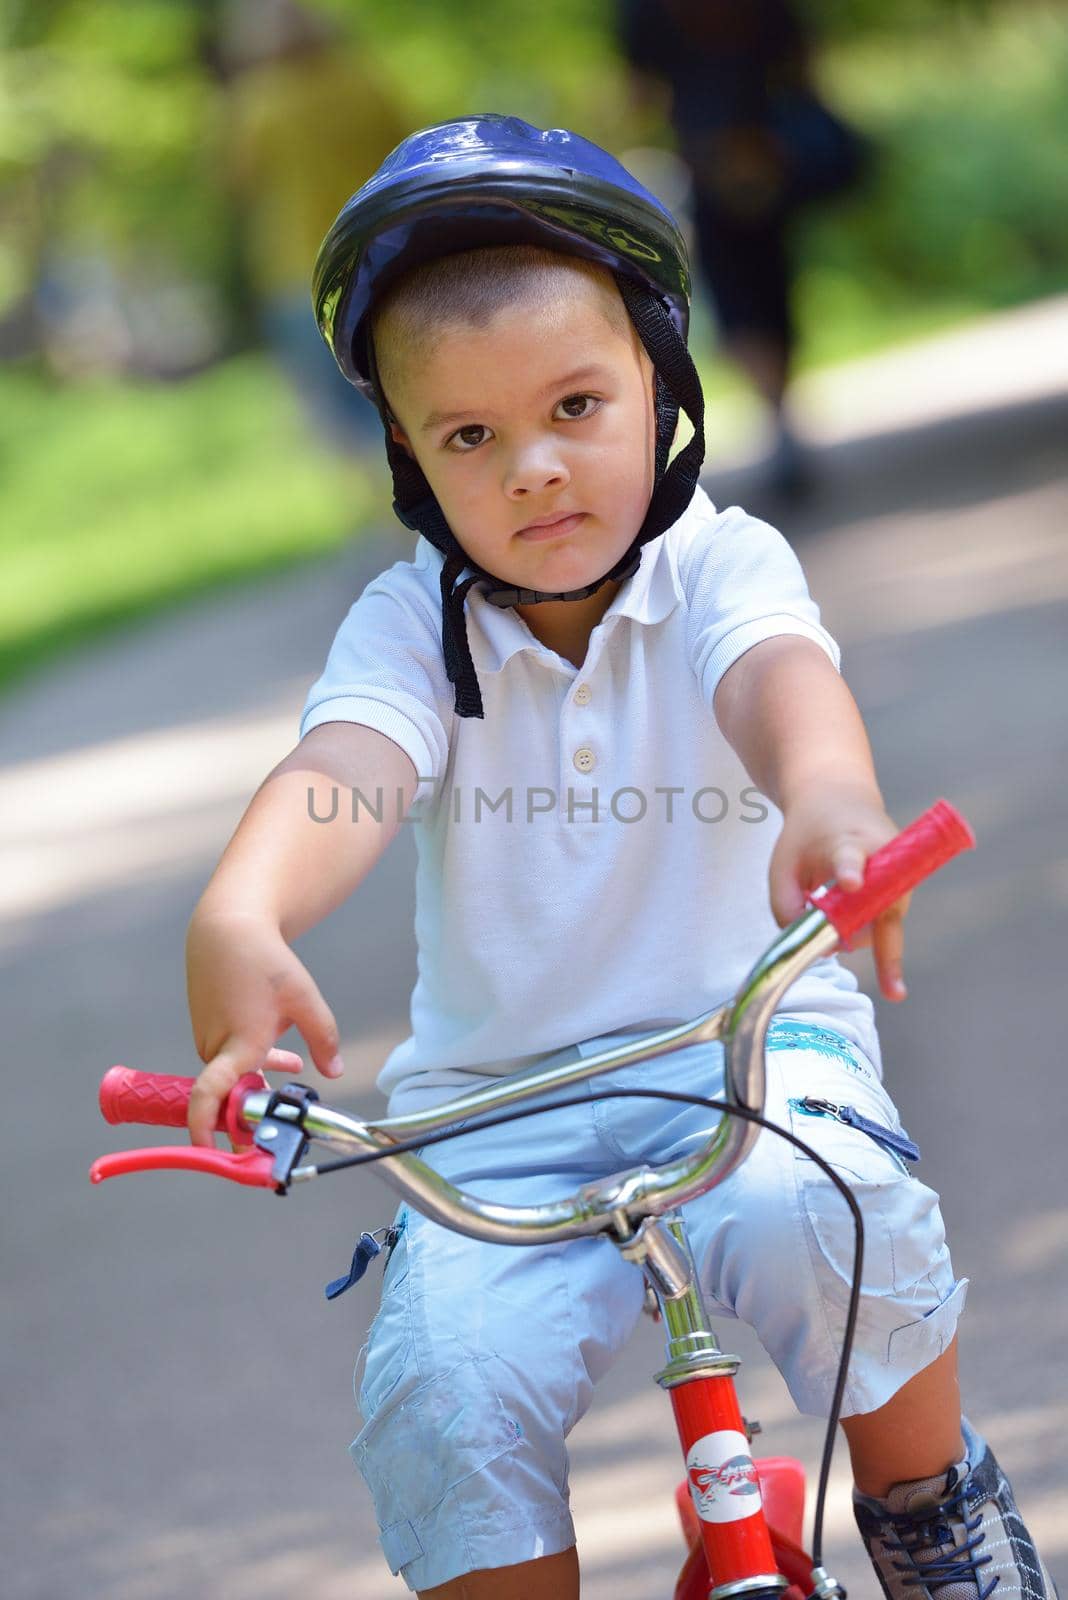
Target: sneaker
(956,1536)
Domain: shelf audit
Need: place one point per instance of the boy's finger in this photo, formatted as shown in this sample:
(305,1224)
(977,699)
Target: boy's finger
(787,898)
(315,1020)
(214,1084)
(283,1061)
(889,948)
(849,867)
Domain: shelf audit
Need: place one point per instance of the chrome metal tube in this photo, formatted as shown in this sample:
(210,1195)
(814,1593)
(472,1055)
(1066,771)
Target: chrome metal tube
(667,1265)
(434,1196)
(520,1086)
(802,943)
(638,1193)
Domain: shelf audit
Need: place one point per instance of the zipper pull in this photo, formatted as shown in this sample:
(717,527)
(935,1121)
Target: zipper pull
(813,1106)
(900,1143)
(365,1252)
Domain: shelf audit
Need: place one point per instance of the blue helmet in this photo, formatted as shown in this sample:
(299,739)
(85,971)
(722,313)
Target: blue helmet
(486,181)
(482,182)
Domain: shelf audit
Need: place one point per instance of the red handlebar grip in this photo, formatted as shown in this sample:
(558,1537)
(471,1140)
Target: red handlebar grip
(149,1097)
(917,852)
(163,1101)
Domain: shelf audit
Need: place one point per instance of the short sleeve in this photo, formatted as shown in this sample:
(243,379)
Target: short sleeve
(385,671)
(743,584)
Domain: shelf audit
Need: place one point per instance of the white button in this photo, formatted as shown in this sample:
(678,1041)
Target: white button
(582,695)
(584,759)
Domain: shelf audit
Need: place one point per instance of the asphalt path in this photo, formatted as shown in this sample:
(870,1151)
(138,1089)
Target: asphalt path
(177,1399)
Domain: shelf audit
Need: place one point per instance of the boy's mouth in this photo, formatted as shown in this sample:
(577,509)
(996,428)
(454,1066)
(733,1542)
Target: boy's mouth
(551,527)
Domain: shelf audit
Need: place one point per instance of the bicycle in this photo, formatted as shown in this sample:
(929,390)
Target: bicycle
(741,1518)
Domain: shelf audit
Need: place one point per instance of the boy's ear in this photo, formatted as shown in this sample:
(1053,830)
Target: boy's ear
(398,435)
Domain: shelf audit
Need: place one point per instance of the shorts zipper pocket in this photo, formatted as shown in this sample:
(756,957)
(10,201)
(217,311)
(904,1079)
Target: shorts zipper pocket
(898,1143)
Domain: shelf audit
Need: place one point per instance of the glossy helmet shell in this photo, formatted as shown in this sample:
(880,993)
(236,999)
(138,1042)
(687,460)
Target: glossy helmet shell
(485,181)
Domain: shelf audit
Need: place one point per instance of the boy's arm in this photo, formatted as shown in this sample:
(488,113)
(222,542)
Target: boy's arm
(281,873)
(797,730)
(283,863)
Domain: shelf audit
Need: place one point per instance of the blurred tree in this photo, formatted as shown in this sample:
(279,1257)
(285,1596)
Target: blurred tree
(104,141)
(110,114)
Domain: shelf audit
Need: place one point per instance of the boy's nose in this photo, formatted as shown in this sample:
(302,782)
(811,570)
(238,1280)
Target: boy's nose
(534,470)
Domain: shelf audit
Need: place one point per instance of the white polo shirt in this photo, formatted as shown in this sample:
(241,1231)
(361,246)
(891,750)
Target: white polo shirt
(592,856)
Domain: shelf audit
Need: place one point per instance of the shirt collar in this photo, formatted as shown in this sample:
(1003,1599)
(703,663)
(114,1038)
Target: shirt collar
(495,635)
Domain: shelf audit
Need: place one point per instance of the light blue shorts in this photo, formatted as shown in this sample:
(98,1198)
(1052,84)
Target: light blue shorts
(483,1357)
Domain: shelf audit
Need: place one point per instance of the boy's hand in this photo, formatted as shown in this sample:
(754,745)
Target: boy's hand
(246,987)
(830,833)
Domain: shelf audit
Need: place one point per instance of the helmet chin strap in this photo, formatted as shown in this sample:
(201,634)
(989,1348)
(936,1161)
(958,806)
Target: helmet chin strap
(677,387)
(624,568)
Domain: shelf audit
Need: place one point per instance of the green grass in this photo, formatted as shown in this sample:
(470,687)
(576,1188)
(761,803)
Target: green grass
(117,498)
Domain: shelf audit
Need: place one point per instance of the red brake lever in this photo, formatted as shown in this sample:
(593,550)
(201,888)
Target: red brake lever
(252,1167)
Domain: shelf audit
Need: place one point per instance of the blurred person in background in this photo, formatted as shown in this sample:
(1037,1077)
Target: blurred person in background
(761,146)
(304,112)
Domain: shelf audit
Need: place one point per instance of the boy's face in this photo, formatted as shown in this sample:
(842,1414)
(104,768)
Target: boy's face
(536,433)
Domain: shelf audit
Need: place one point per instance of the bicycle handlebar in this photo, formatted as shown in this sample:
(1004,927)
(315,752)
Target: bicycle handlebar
(159,1100)
(833,920)
(917,852)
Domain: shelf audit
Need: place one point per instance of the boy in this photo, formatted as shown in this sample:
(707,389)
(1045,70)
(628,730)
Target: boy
(598,722)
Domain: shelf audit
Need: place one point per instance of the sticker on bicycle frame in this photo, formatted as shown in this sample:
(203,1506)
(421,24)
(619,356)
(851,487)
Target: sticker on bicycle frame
(722,1478)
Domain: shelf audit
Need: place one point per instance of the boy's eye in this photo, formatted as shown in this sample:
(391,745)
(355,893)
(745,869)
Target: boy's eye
(579,405)
(473,434)
(467,438)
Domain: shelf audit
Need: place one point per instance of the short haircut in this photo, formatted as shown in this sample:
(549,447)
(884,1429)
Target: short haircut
(471,287)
